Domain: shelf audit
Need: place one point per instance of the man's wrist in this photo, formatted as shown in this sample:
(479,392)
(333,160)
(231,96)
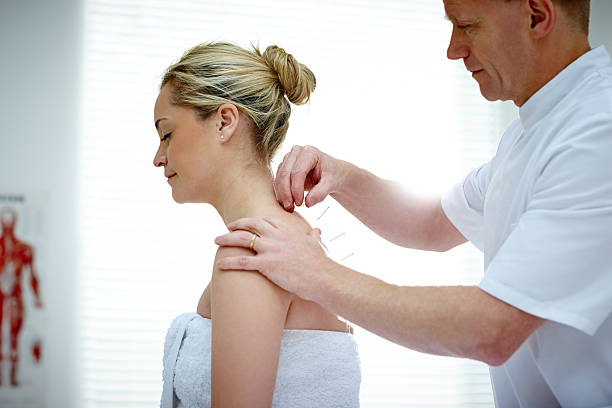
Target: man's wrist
(345,180)
(323,286)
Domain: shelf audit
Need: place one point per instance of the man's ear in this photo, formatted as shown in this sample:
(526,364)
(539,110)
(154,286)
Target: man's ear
(543,15)
(227,119)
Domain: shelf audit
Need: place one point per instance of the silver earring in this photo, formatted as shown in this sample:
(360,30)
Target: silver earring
(222,137)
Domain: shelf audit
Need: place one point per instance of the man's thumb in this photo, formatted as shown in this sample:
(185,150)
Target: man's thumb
(316,234)
(316,194)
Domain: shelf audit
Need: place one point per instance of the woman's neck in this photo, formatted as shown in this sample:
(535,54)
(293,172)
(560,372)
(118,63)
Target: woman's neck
(249,192)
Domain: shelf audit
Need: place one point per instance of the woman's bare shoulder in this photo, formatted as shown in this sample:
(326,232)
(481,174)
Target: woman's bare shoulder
(294,219)
(237,283)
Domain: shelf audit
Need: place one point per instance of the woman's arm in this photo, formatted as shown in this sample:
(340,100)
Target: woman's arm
(248,317)
(203,308)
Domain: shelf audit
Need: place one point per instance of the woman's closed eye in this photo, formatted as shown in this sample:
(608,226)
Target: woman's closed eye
(166,136)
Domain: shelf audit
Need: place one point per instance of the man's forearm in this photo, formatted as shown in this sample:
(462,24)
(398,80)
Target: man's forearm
(390,211)
(460,321)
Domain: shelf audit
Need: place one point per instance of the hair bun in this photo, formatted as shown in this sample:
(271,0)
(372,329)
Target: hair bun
(297,80)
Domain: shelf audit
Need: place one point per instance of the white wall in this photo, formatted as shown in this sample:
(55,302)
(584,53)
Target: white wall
(40,43)
(601,27)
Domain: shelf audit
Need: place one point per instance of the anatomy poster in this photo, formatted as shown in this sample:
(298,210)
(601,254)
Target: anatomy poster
(23,274)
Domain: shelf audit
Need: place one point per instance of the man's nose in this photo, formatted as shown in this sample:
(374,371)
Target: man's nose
(160,158)
(457,48)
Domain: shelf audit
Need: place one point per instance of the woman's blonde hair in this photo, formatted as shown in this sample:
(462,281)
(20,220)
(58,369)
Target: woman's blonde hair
(260,85)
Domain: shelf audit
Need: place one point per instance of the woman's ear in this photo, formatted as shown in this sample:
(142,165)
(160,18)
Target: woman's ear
(227,120)
(543,14)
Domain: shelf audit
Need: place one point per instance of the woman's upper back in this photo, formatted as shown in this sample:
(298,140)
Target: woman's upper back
(301,314)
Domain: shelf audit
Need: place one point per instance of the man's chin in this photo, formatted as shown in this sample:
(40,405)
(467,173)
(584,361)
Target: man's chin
(488,95)
(488,89)
(490,98)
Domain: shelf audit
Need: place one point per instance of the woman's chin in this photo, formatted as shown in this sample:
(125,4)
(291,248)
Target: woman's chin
(178,198)
(184,199)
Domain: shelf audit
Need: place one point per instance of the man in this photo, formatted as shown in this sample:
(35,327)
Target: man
(540,210)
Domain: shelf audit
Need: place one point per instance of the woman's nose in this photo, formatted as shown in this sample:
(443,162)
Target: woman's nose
(160,158)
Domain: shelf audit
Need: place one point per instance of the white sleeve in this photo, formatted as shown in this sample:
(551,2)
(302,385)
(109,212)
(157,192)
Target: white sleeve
(464,204)
(557,262)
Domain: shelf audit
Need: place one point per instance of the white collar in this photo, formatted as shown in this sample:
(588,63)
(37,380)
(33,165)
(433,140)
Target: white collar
(547,97)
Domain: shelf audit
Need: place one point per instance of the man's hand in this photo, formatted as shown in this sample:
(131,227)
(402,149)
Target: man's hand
(286,255)
(305,168)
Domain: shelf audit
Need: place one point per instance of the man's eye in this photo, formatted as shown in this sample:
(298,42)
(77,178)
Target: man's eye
(166,136)
(463,26)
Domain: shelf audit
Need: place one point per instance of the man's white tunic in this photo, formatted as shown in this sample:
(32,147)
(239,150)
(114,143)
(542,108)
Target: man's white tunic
(541,211)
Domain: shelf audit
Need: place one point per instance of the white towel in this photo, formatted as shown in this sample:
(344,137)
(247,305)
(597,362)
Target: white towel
(316,368)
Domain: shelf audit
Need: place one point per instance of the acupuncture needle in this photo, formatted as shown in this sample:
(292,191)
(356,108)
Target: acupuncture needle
(323,213)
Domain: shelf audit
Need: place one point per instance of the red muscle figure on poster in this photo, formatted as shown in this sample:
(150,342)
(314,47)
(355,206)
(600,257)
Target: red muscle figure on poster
(15,255)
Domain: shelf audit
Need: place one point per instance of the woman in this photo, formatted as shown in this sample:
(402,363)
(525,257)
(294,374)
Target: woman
(221,114)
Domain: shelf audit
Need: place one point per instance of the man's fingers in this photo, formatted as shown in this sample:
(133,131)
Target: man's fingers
(238,238)
(237,263)
(298,177)
(317,193)
(275,222)
(303,165)
(282,181)
(316,234)
(256,225)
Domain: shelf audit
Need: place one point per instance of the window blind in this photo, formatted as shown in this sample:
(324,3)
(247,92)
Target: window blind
(386,99)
